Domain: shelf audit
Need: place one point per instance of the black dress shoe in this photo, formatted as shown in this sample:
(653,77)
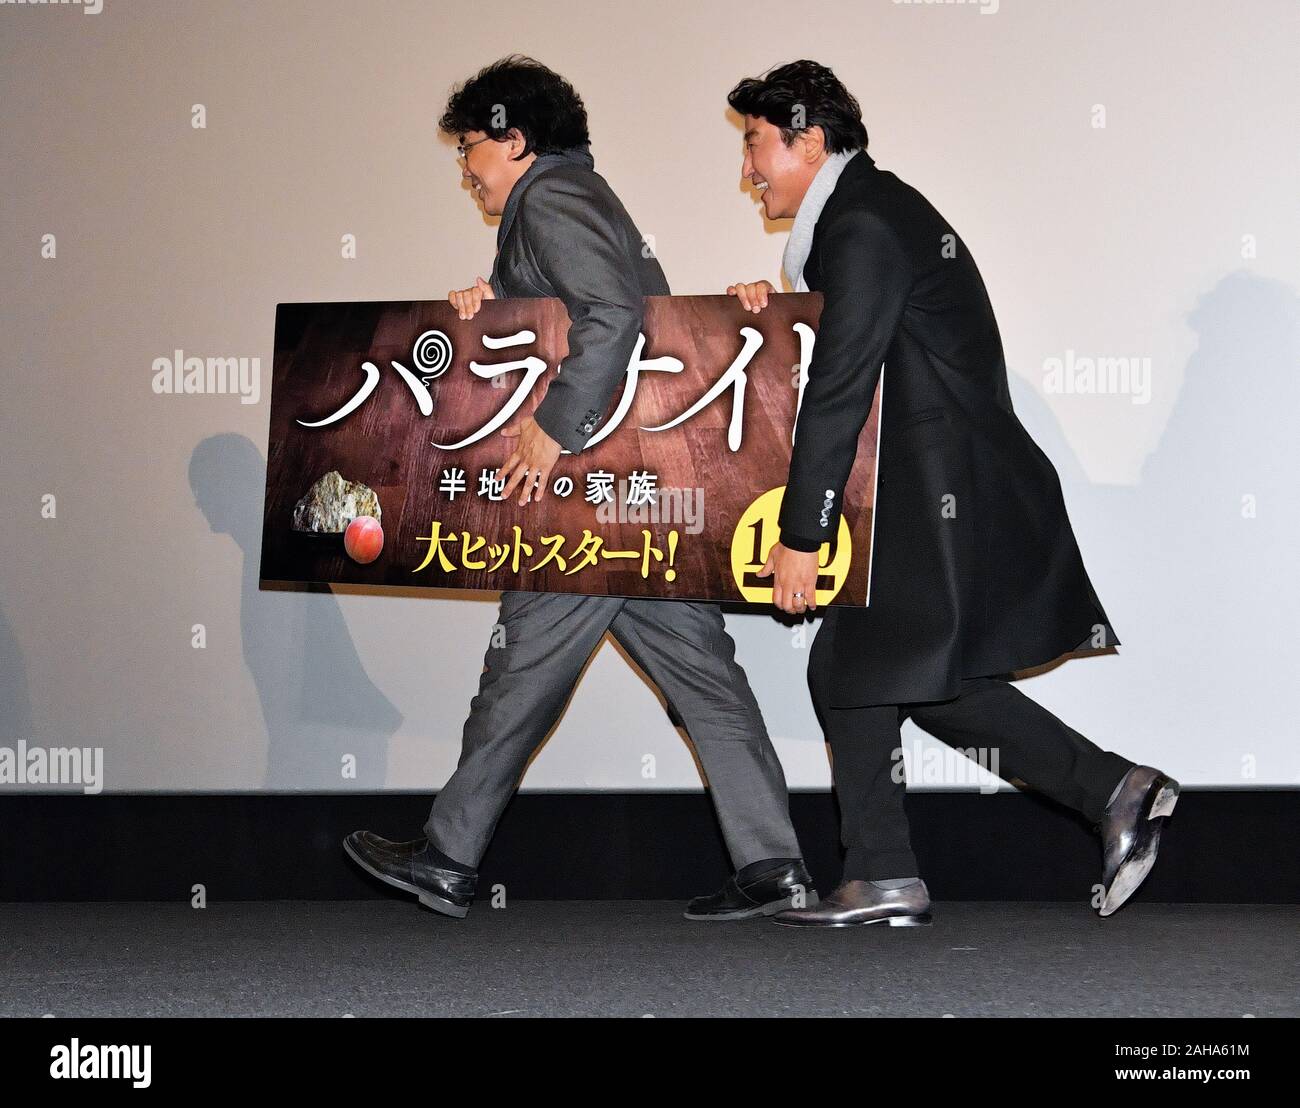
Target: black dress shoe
(1130,832)
(763,895)
(410,866)
(854,903)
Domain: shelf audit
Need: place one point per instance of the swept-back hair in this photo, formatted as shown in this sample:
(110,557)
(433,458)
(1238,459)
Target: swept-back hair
(800,95)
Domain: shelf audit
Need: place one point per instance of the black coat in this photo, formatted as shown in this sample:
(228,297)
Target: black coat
(975,569)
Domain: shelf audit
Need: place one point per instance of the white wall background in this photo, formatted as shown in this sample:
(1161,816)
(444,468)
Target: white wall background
(1169,234)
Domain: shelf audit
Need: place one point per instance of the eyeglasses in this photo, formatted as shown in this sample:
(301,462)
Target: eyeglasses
(464,146)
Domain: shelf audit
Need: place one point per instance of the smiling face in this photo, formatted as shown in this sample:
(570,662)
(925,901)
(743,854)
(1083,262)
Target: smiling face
(490,168)
(782,173)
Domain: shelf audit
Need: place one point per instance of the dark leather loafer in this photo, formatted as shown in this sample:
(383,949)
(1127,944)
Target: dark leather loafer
(854,903)
(1130,832)
(764,894)
(408,866)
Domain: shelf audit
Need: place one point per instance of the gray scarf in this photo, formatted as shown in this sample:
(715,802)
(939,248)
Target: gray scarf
(573,155)
(819,191)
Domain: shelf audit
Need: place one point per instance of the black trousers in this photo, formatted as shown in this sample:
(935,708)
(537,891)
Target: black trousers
(989,712)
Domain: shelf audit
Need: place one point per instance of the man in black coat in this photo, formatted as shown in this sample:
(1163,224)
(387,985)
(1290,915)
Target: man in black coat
(975,572)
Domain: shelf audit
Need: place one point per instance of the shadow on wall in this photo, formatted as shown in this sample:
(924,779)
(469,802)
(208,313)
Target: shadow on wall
(1198,561)
(320,706)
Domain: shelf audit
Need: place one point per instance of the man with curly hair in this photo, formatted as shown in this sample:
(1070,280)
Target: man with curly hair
(522,134)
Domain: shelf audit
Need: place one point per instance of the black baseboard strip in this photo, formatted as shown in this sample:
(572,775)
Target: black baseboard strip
(1222,845)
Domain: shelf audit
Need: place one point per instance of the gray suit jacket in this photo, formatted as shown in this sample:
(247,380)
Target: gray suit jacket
(571,238)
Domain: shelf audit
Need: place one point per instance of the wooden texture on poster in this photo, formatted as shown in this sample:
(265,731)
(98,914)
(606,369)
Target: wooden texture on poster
(387,443)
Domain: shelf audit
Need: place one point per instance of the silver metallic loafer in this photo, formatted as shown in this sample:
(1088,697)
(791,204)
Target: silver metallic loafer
(1130,832)
(854,903)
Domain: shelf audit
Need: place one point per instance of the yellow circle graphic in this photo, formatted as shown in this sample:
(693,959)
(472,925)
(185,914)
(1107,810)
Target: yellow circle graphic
(757,532)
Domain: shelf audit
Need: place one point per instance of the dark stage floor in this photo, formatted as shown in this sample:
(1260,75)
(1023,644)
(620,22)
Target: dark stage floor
(639,958)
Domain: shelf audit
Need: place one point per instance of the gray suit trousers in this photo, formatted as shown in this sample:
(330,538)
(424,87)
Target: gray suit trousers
(682,646)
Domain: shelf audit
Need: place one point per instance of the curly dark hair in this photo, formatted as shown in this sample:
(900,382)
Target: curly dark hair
(825,101)
(519,92)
